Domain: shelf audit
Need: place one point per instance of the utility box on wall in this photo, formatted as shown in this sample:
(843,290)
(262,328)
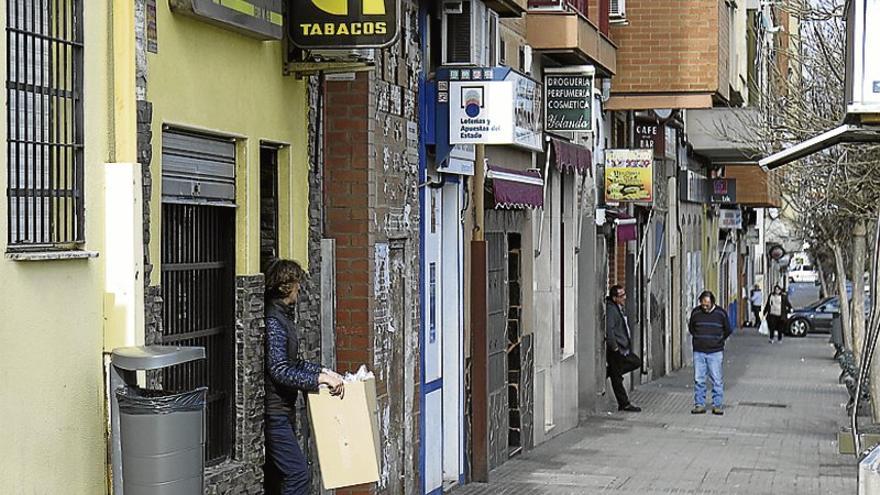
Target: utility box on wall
(862,62)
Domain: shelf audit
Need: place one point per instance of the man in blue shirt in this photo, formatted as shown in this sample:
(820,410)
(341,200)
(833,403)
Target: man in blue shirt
(709,328)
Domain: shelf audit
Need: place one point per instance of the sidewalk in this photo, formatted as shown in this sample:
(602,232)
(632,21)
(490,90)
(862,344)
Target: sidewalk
(778,434)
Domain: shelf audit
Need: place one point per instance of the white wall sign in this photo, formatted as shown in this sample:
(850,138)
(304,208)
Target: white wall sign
(480,112)
(730,219)
(495,112)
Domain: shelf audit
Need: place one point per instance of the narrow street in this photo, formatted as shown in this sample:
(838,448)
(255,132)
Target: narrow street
(783,407)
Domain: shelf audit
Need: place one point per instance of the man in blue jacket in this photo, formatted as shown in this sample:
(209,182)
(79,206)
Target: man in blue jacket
(709,328)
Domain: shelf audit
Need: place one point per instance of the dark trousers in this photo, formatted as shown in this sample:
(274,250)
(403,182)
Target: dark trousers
(287,471)
(616,376)
(775,324)
(756,310)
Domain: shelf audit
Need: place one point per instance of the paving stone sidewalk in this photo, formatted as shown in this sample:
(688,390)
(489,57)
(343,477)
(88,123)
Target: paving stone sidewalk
(777,435)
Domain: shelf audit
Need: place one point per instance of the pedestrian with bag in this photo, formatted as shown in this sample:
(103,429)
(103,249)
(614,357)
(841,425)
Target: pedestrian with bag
(618,347)
(776,311)
(709,327)
(287,470)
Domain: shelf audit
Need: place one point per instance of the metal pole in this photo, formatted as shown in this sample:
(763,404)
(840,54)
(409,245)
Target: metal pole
(479,187)
(479,337)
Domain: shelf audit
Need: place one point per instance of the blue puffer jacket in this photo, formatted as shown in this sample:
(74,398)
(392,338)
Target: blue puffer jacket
(286,373)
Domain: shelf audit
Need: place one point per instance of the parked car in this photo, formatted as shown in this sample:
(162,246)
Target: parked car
(817,317)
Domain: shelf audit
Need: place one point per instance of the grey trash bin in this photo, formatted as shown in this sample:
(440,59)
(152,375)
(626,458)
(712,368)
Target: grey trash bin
(836,331)
(160,434)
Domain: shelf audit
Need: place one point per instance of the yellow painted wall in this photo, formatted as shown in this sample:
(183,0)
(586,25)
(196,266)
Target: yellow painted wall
(51,341)
(209,78)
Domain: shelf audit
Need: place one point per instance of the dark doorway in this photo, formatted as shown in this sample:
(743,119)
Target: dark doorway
(514,345)
(198,290)
(268,204)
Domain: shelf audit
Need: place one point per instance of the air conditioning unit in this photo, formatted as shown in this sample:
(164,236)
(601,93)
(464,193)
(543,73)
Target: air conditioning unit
(617,11)
(525,59)
(470,35)
(364,55)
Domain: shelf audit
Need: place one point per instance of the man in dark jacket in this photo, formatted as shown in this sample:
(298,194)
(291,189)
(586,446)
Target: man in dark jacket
(617,345)
(710,328)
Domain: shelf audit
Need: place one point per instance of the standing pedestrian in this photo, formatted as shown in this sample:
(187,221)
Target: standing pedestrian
(287,471)
(757,301)
(709,328)
(777,310)
(618,346)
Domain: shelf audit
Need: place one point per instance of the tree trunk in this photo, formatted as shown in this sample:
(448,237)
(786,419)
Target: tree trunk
(823,285)
(840,272)
(858,288)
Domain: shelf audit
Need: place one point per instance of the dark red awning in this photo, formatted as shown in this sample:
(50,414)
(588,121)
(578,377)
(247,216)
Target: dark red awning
(570,157)
(514,189)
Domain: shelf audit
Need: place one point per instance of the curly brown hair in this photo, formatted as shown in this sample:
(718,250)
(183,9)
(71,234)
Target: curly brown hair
(281,276)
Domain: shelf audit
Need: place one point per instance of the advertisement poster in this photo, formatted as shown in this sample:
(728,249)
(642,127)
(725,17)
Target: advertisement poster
(629,176)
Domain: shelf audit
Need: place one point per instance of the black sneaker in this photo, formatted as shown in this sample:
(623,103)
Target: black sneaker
(698,410)
(718,411)
(630,408)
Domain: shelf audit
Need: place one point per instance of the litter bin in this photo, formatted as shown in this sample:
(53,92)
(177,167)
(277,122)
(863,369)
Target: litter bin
(836,331)
(158,435)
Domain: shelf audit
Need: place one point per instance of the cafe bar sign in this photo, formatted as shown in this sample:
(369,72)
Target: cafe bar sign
(343,24)
(568,96)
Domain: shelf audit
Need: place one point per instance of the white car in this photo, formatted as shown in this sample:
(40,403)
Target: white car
(804,273)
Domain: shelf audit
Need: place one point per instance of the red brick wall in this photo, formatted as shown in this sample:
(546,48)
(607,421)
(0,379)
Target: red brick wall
(668,46)
(346,165)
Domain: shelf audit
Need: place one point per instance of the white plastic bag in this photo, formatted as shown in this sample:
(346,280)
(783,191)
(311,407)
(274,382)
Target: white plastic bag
(764,329)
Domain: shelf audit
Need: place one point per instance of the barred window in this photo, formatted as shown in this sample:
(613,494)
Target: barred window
(44,82)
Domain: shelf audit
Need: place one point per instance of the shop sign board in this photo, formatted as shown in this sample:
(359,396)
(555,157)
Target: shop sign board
(651,135)
(692,186)
(723,191)
(629,175)
(261,19)
(341,24)
(496,112)
(569,100)
(730,219)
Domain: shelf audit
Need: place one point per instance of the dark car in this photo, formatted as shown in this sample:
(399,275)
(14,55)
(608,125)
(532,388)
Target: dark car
(816,317)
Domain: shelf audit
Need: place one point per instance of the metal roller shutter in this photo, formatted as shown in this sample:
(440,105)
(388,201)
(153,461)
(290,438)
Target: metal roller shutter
(197,168)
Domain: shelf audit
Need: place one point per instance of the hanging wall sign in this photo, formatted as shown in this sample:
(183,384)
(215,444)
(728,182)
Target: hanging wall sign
(629,175)
(569,97)
(261,19)
(723,191)
(480,112)
(730,219)
(344,24)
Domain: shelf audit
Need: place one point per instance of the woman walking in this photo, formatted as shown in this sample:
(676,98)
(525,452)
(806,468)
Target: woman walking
(776,311)
(287,471)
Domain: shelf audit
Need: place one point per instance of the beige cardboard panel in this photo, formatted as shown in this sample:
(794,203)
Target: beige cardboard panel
(346,432)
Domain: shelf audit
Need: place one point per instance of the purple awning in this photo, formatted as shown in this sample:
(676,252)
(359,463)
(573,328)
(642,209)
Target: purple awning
(570,157)
(627,231)
(514,189)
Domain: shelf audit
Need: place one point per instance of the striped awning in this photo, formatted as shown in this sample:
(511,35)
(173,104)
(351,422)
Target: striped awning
(516,190)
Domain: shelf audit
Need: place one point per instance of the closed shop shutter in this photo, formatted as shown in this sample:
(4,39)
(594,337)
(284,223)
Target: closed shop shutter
(197,168)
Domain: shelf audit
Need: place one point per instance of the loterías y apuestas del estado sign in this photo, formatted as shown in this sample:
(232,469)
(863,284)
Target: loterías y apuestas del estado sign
(344,24)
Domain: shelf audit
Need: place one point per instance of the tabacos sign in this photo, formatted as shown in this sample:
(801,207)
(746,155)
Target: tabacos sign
(344,24)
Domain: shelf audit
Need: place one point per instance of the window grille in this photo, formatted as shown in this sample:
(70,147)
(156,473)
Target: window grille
(44,81)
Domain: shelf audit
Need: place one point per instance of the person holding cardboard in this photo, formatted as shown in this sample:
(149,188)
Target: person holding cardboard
(287,471)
